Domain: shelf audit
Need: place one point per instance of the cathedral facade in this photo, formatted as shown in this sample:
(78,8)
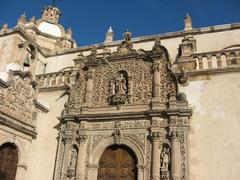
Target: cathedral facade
(162,107)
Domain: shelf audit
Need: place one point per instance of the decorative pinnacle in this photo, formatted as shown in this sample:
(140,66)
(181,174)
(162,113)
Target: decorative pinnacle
(110,30)
(109,35)
(23,15)
(4,27)
(127,35)
(187,22)
(33,19)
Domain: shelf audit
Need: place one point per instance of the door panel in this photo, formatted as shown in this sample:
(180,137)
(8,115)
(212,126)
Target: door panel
(8,161)
(117,163)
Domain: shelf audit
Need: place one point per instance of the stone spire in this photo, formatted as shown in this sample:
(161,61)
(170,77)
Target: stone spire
(22,20)
(109,35)
(69,33)
(32,21)
(51,14)
(188,23)
(4,28)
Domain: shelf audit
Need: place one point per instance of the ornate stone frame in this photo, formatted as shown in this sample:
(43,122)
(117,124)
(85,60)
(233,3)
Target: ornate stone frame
(100,148)
(21,167)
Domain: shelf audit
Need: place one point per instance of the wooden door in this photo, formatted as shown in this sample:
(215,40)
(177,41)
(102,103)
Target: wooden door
(117,163)
(8,161)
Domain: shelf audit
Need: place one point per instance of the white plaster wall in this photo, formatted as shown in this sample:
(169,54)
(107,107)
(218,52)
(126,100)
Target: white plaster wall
(217,41)
(57,63)
(9,51)
(214,140)
(44,149)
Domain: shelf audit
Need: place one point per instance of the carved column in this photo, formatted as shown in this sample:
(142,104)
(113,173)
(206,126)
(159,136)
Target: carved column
(156,79)
(175,155)
(67,152)
(89,88)
(156,156)
(81,165)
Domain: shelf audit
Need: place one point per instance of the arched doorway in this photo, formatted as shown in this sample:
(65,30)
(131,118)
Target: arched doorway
(8,161)
(117,162)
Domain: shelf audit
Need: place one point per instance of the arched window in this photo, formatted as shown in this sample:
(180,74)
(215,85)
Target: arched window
(8,161)
(233,59)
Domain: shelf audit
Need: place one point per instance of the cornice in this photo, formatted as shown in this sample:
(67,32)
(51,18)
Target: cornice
(3,84)
(24,128)
(214,71)
(194,31)
(127,115)
(41,107)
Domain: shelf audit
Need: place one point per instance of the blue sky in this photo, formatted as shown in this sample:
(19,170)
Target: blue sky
(89,19)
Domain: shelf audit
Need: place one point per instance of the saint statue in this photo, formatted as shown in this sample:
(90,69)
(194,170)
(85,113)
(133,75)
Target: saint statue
(165,159)
(120,84)
(73,161)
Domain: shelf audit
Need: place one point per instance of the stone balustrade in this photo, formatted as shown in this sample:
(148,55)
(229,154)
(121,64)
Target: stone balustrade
(51,80)
(218,59)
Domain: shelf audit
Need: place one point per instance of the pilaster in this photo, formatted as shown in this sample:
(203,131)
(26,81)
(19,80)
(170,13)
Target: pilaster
(81,165)
(89,88)
(175,156)
(157,139)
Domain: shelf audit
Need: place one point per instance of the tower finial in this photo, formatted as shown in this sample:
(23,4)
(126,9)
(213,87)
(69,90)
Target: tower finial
(187,23)
(51,14)
(109,35)
(22,20)
(127,35)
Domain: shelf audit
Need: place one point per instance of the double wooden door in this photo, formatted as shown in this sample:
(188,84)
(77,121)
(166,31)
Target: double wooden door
(8,161)
(117,163)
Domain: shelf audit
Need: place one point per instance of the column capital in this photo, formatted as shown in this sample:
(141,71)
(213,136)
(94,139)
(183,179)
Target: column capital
(157,136)
(90,73)
(68,137)
(174,133)
(82,138)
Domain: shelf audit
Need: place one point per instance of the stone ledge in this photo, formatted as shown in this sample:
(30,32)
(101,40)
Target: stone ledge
(213,71)
(41,107)
(7,121)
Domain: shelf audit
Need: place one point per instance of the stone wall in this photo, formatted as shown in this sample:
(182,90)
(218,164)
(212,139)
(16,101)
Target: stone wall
(44,148)
(214,137)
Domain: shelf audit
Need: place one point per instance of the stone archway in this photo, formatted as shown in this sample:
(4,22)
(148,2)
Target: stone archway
(103,145)
(8,161)
(118,162)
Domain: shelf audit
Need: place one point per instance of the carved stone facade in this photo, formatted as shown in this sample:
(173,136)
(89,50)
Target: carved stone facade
(125,78)
(18,116)
(168,101)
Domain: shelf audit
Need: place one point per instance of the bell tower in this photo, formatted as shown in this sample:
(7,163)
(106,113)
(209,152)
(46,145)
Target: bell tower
(51,14)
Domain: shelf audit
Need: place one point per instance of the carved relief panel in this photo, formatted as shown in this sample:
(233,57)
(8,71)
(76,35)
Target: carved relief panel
(18,99)
(131,78)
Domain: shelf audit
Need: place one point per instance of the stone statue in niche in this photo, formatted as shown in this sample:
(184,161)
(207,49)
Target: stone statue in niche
(121,84)
(73,161)
(119,89)
(165,158)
